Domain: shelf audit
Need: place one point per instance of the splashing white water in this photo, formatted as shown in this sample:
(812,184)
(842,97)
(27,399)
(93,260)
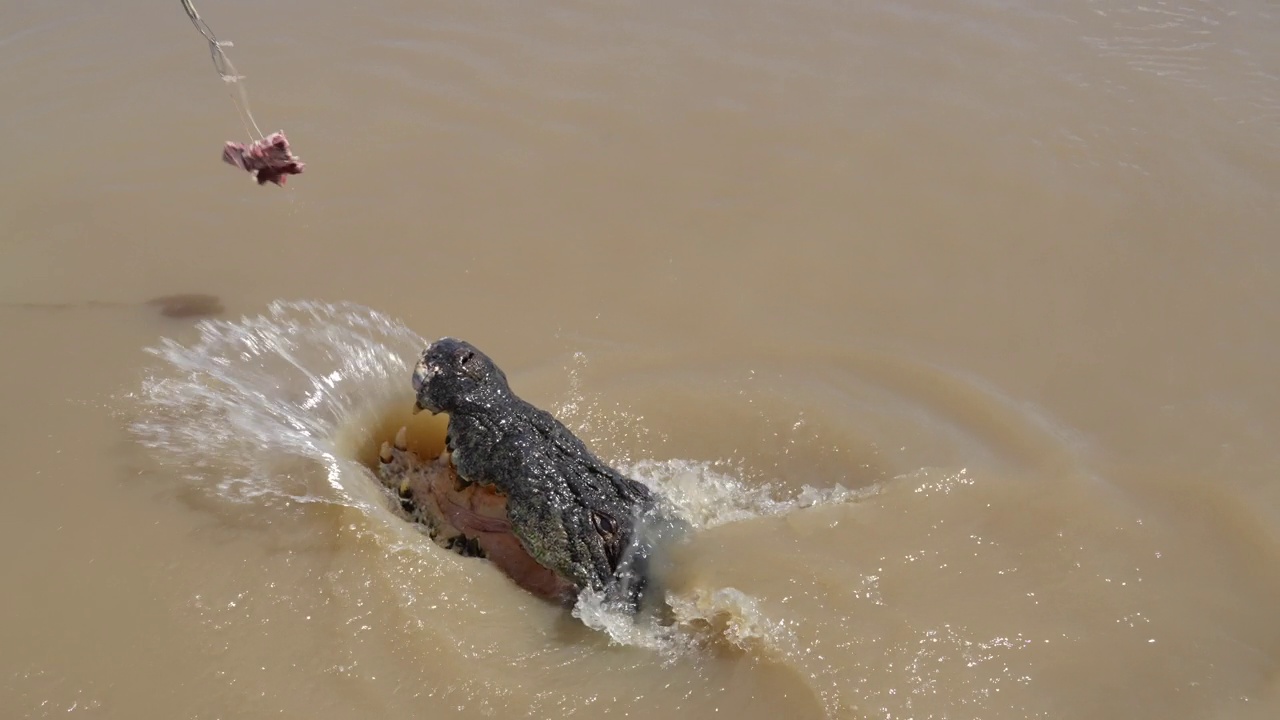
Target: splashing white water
(706,497)
(698,618)
(250,405)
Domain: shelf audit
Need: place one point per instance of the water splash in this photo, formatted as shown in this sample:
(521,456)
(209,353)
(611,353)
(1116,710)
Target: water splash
(249,409)
(701,618)
(595,421)
(705,497)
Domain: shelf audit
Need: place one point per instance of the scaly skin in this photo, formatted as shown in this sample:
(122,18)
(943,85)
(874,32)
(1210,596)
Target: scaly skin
(572,514)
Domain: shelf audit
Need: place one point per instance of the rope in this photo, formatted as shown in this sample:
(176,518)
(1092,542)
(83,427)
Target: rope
(225,69)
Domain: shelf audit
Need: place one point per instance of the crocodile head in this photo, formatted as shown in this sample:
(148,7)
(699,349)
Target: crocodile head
(516,486)
(453,375)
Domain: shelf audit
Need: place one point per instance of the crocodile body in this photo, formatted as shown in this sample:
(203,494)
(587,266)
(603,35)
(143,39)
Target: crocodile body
(516,486)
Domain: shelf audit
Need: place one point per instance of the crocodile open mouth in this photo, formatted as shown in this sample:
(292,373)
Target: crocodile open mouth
(467,518)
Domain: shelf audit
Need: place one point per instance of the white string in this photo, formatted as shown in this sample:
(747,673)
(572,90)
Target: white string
(225,69)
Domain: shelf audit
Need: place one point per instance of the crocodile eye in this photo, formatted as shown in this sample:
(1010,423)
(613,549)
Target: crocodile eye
(605,524)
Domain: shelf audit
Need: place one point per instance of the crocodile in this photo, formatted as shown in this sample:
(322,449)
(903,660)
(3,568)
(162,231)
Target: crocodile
(516,487)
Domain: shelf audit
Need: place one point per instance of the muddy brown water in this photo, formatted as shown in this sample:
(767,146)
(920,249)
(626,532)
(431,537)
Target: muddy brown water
(1005,273)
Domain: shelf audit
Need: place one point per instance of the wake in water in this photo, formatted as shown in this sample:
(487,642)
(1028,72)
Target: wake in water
(266,411)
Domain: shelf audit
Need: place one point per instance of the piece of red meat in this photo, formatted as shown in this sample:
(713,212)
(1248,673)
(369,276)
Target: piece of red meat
(268,159)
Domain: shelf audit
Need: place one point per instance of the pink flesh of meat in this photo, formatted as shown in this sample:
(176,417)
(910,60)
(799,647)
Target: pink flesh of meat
(268,159)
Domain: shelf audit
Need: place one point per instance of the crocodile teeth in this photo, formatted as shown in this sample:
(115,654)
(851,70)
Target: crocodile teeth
(402,438)
(385,453)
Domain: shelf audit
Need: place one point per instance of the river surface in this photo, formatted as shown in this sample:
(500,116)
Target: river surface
(952,327)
